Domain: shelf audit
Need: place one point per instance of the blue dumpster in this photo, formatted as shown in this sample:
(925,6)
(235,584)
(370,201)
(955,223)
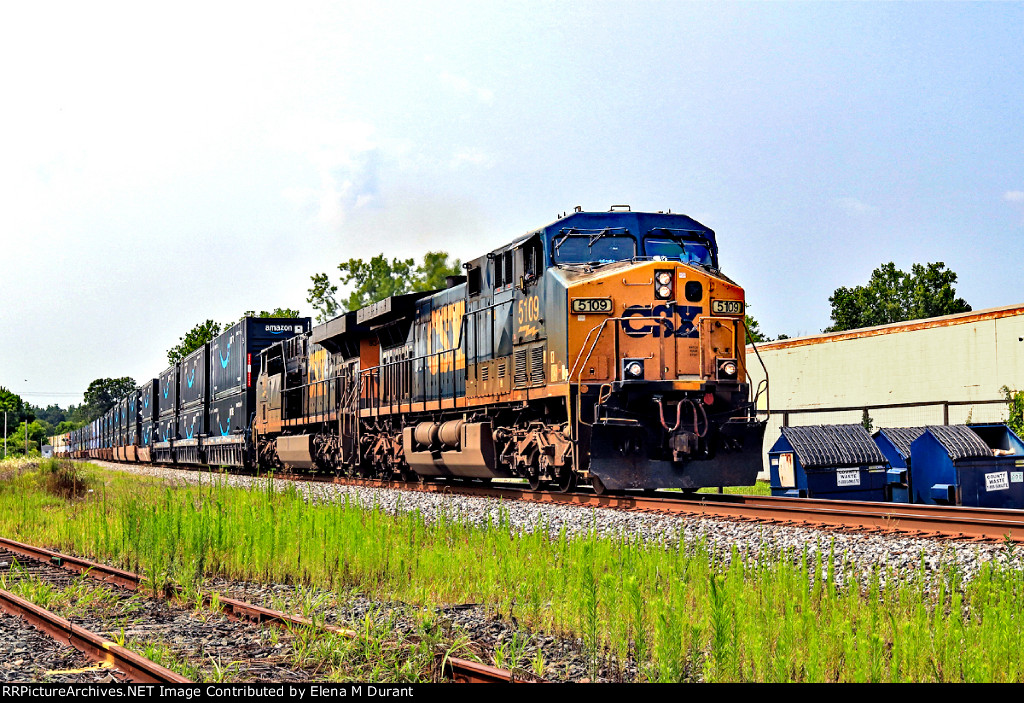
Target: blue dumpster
(973,465)
(894,443)
(841,462)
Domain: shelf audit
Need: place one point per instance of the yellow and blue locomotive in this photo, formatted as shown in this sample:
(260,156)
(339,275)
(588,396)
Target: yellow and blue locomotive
(606,347)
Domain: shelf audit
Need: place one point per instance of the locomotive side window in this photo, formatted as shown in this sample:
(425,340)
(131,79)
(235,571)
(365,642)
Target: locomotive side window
(532,260)
(508,267)
(499,270)
(473,281)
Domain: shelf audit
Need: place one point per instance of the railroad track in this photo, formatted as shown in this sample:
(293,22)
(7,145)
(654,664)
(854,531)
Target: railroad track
(931,521)
(95,647)
(457,669)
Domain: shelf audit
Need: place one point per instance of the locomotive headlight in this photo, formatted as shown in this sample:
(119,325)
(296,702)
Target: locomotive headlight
(727,369)
(632,369)
(662,285)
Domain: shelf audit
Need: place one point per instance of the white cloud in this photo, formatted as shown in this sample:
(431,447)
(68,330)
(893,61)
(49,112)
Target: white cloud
(853,206)
(471,157)
(1014,196)
(346,157)
(462,86)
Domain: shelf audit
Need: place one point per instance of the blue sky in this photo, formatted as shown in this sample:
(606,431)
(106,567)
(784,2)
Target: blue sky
(164,165)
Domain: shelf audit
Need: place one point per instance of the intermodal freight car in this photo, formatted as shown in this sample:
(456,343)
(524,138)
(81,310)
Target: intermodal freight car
(606,347)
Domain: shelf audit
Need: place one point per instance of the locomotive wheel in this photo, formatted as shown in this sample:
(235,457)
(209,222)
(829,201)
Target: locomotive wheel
(566,480)
(598,485)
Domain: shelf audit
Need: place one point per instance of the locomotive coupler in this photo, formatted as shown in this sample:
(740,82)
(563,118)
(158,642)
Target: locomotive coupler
(683,445)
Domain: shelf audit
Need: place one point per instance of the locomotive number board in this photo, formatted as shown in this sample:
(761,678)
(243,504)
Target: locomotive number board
(727,307)
(582,306)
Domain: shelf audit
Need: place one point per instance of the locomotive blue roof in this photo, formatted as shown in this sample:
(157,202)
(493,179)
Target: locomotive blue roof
(638,224)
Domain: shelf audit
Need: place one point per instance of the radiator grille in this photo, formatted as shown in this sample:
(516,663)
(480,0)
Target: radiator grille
(521,373)
(537,366)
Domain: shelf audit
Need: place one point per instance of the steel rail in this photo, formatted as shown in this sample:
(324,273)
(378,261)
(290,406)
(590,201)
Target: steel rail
(98,649)
(459,670)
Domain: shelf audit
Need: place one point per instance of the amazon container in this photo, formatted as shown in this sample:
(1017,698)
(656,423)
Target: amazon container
(192,371)
(192,423)
(132,419)
(166,429)
(167,385)
(149,403)
(233,353)
(233,382)
(228,415)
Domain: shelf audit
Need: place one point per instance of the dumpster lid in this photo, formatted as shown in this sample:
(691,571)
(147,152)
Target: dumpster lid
(833,445)
(902,437)
(960,441)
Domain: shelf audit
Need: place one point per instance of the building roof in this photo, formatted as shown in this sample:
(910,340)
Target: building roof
(902,437)
(833,445)
(960,442)
(961,318)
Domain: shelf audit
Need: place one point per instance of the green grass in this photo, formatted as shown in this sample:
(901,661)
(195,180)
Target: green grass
(676,608)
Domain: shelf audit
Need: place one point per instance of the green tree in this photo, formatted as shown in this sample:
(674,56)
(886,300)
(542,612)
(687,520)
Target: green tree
(1015,405)
(102,393)
(321,297)
(892,295)
(38,432)
(67,426)
(14,406)
(53,413)
(433,273)
(276,312)
(195,338)
(754,330)
(377,279)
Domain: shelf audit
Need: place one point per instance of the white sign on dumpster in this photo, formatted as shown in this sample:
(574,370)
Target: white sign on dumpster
(999,481)
(847,477)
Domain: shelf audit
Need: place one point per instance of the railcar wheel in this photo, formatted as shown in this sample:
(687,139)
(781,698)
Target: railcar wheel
(534,480)
(566,480)
(598,485)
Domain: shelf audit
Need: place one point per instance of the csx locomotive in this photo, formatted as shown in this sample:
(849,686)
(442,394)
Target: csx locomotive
(606,347)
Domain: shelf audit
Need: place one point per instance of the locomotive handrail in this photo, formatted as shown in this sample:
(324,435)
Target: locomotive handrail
(600,330)
(374,374)
(698,320)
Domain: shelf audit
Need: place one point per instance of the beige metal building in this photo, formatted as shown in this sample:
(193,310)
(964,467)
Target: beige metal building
(943,370)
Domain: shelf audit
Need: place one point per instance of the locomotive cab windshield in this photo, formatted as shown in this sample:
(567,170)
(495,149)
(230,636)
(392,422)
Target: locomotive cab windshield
(687,248)
(603,246)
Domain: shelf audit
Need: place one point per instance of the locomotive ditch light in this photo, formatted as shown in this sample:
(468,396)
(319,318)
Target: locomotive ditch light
(663,285)
(633,369)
